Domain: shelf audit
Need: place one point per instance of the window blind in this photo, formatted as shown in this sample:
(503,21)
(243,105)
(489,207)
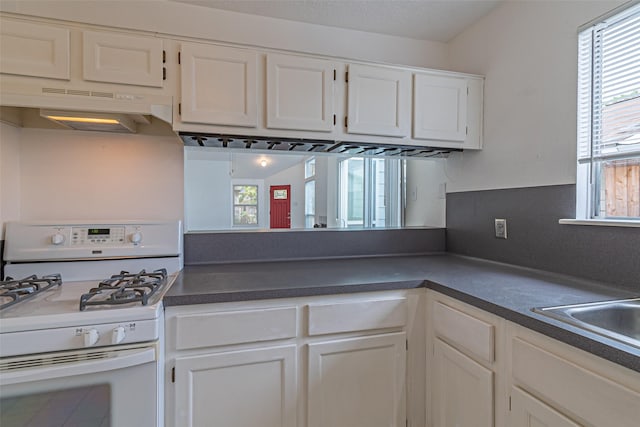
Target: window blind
(609,89)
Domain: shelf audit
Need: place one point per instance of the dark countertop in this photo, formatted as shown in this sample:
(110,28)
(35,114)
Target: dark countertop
(505,290)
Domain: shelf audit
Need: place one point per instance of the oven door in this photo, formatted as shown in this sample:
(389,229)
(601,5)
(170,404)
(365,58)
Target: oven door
(116,386)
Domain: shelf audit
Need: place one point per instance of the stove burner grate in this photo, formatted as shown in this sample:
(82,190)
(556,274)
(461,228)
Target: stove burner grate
(125,288)
(15,291)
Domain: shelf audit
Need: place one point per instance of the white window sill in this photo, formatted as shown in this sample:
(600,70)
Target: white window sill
(602,222)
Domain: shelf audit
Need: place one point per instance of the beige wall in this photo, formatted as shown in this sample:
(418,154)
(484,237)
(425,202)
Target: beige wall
(9,174)
(528,52)
(68,175)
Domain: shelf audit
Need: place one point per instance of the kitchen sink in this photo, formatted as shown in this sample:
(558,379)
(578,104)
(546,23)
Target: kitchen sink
(618,320)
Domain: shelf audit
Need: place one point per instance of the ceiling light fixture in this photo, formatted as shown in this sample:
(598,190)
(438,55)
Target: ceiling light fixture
(263,163)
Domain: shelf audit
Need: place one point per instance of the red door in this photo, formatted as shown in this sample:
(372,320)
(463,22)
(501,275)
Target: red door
(280,206)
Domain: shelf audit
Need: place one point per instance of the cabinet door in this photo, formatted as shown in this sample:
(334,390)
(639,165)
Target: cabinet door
(440,108)
(358,382)
(237,389)
(299,93)
(462,389)
(218,85)
(379,101)
(118,58)
(527,411)
(34,50)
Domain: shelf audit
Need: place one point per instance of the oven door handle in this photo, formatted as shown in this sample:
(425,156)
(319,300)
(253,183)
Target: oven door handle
(54,368)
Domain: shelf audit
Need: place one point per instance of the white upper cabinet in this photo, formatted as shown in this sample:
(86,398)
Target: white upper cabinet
(440,108)
(378,101)
(125,59)
(37,50)
(219,85)
(299,93)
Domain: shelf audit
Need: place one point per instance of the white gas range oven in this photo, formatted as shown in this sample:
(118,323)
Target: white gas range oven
(81,319)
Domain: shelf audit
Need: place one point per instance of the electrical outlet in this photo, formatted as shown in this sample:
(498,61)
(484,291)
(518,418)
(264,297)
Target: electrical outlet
(501,228)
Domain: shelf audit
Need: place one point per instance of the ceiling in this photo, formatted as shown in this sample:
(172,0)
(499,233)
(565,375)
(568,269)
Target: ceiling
(435,20)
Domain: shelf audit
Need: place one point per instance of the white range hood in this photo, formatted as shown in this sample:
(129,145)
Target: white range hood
(116,111)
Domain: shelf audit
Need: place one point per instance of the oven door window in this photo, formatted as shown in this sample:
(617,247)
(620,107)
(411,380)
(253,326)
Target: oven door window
(118,389)
(86,406)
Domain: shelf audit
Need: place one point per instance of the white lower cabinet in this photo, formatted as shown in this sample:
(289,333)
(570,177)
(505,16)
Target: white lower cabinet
(527,411)
(462,365)
(581,388)
(463,388)
(330,361)
(358,382)
(254,387)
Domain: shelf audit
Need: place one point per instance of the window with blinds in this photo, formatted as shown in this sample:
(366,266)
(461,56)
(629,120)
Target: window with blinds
(609,117)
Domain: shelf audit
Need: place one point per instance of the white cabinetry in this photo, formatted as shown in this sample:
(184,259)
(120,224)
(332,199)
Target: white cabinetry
(300,93)
(448,108)
(255,387)
(218,85)
(34,49)
(527,411)
(569,385)
(219,372)
(463,389)
(124,59)
(440,107)
(463,367)
(358,382)
(378,101)
(316,362)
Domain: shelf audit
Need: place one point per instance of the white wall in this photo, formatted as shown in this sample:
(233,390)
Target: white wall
(9,175)
(208,197)
(528,52)
(166,17)
(426,204)
(67,175)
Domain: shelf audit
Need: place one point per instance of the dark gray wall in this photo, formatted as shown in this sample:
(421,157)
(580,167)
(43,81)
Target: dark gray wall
(535,239)
(215,247)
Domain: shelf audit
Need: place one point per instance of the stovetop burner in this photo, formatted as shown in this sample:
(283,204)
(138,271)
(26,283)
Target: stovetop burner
(125,288)
(14,291)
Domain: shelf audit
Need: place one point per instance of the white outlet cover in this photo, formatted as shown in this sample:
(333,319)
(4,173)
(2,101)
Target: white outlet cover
(501,228)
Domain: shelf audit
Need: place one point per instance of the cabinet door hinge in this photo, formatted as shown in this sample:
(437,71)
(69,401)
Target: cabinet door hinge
(346,77)
(466,131)
(164,56)
(335,75)
(467,90)
(346,122)
(173,374)
(164,73)
(179,108)
(509,403)
(407,344)
(179,58)
(334,119)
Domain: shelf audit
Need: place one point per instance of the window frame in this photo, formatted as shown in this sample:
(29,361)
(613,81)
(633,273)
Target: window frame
(590,195)
(234,204)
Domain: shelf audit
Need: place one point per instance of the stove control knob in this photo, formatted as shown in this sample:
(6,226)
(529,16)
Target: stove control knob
(117,335)
(136,238)
(91,337)
(57,239)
